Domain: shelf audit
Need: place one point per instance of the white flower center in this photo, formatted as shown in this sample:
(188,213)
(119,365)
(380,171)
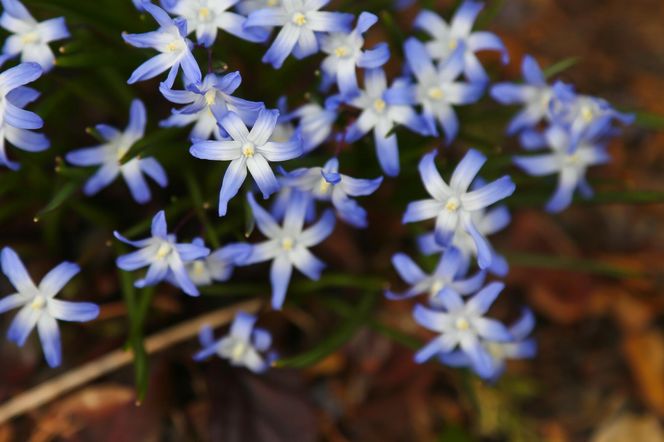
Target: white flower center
(453,44)
(379,105)
(164,250)
(341,51)
(324,185)
(435,93)
(462,324)
(587,114)
(38,303)
(437,287)
(210,97)
(573,160)
(272,2)
(198,268)
(174,46)
(287,244)
(248,150)
(121,152)
(238,351)
(299,19)
(453,204)
(204,14)
(30,38)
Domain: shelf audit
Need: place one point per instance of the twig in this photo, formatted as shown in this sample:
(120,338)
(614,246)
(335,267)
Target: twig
(49,390)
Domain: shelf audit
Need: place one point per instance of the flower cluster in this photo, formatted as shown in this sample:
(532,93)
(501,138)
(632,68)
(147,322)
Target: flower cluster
(357,98)
(574,129)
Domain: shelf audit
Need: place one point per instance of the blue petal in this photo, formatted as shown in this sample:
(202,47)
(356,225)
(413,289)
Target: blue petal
(23,323)
(489,194)
(467,170)
(49,335)
(387,151)
(151,68)
(532,72)
(18,76)
(320,231)
(482,301)
(280,275)
(73,311)
(15,271)
(407,269)
(159,228)
(233,179)
(464,18)
(57,278)
(418,58)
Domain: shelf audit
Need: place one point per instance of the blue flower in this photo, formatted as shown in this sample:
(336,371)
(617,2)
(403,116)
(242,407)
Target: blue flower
(316,122)
(446,38)
(109,155)
(345,53)
(463,325)
(584,117)
(288,245)
(487,222)
(519,347)
(570,165)
(218,265)
(299,20)
(16,122)
(246,7)
(242,347)
(450,272)
(30,38)
(205,17)
(164,257)
(453,205)
(535,95)
(247,150)
(175,49)
(39,306)
(381,117)
(207,102)
(327,184)
(435,88)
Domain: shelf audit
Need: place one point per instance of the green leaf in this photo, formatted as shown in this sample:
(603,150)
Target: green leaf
(649,120)
(560,66)
(197,199)
(60,197)
(336,340)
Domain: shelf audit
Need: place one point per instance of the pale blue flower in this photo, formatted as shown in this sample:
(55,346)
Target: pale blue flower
(450,272)
(206,17)
(316,122)
(487,222)
(570,165)
(453,205)
(447,38)
(583,116)
(381,117)
(15,122)
(247,150)
(519,347)
(163,256)
(246,7)
(39,307)
(110,154)
(436,89)
(175,49)
(463,325)
(327,184)
(30,38)
(345,53)
(207,102)
(535,95)
(299,20)
(288,244)
(218,265)
(244,346)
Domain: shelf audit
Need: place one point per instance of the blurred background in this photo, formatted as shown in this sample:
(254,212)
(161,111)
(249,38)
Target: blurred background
(594,275)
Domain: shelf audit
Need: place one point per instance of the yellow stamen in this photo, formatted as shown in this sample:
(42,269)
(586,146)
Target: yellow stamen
(436,287)
(38,303)
(210,97)
(287,244)
(587,114)
(164,250)
(299,19)
(462,324)
(29,38)
(379,105)
(198,268)
(341,51)
(203,13)
(174,46)
(272,2)
(324,185)
(453,44)
(248,150)
(435,93)
(453,204)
